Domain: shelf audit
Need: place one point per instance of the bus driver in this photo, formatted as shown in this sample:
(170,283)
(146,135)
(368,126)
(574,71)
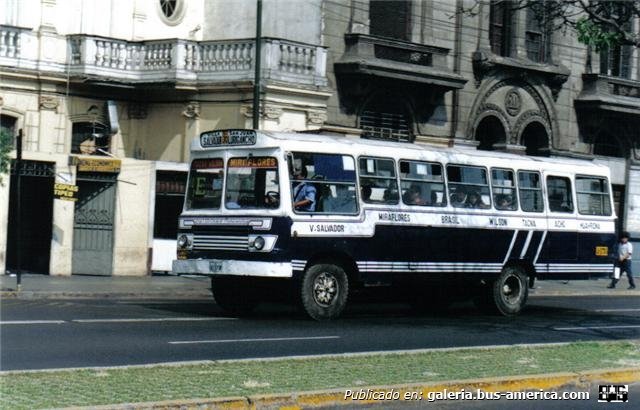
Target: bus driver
(304,194)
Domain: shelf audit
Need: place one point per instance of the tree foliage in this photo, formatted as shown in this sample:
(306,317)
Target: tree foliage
(6,145)
(598,23)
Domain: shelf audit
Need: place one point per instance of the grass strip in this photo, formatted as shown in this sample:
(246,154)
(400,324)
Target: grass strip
(91,387)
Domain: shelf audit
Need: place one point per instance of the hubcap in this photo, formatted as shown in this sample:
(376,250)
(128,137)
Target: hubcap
(325,289)
(512,289)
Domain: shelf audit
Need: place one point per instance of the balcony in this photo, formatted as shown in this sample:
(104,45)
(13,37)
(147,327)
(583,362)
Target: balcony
(395,59)
(612,94)
(159,61)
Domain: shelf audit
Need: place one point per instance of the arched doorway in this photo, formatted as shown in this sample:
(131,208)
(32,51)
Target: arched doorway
(536,140)
(490,131)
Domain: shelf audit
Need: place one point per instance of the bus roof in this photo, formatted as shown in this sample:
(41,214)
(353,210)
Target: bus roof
(329,143)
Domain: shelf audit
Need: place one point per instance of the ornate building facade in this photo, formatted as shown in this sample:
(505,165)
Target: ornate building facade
(108,95)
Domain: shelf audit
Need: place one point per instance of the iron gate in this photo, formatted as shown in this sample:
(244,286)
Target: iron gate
(93,224)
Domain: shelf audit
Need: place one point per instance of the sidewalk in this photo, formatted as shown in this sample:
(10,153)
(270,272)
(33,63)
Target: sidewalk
(197,287)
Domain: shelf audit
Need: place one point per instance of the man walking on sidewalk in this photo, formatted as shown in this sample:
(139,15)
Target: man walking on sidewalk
(625,249)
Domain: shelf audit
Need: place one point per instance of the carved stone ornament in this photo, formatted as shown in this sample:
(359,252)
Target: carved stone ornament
(271,112)
(192,110)
(513,102)
(316,117)
(48,102)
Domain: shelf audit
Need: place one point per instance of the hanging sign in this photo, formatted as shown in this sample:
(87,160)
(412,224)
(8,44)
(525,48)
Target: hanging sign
(96,164)
(65,192)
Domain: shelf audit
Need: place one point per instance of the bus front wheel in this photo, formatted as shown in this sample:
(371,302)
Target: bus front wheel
(507,295)
(230,295)
(324,290)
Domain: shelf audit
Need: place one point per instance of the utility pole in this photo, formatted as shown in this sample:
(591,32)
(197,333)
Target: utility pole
(18,169)
(256,80)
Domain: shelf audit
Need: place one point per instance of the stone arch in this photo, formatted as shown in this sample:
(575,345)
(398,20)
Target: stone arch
(535,138)
(386,112)
(535,104)
(490,130)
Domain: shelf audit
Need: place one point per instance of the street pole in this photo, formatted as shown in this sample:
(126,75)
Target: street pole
(256,80)
(18,169)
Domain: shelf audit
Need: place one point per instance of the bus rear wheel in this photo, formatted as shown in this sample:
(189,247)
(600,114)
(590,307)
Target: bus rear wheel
(507,295)
(232,296)
(324,290)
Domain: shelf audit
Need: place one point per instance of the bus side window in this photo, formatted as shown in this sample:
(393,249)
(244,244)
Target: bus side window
(593,196)
(422,183)
(468,187)
(530,189)
(559,194)
(503,184)
(378,184)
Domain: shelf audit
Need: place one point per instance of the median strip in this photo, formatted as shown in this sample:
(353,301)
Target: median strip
(216,380)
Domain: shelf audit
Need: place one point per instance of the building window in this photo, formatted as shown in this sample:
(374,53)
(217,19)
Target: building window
(385,117)
(90,138)
(615,61)
(538,36)
(390,18)
(500,16)
(170,190)
(607,145)
(8,124)
(171,11)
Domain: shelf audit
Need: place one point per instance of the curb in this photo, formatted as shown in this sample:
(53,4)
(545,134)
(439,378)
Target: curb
(25,294)
(336,397)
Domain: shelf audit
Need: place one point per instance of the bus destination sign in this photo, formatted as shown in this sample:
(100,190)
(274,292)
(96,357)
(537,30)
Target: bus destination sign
(227,137)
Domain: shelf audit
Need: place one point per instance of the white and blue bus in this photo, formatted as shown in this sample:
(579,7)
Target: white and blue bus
(327,216)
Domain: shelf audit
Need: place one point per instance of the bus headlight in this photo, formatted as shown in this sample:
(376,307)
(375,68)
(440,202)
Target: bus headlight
(262,243)
(258,243)
(183,241)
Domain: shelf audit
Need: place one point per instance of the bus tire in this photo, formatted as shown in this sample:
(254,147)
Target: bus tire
(324,290)
(232,297)
(507,295)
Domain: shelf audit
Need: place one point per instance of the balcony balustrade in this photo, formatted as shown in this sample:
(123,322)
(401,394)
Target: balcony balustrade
(177,60)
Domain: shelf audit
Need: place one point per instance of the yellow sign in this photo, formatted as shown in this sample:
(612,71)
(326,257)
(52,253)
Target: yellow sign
(97,164)
(602,251)
(66,192)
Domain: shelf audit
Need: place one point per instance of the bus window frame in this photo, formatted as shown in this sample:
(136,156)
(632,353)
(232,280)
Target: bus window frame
(571,178)
(543,191)
(226,161)
(396,177)
(515,188)
(190,175)
(444,183)
(487,176)
(290,157)
(608,195)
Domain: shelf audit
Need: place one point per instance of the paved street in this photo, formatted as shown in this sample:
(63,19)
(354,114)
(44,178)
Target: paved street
(53,333)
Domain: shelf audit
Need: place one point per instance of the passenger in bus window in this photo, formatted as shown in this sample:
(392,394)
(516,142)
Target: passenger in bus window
(365,191)
(304,194)
(475,201)
(413,196)
(459,197)
(504,202)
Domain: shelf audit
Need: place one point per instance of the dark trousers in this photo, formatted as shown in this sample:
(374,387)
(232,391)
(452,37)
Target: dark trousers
(625,266)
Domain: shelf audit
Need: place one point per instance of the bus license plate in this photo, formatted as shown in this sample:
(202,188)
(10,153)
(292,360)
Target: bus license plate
(215,266)
(602,251)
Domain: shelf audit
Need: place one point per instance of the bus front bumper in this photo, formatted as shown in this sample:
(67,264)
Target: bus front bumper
(232,267)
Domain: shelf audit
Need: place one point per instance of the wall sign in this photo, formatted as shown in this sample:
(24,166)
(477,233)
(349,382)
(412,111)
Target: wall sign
(96,164)
(65,192)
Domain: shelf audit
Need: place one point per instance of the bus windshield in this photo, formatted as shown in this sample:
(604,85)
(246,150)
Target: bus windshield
(252,183)
(205,184)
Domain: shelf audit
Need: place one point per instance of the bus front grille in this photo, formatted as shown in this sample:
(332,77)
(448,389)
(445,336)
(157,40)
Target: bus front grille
(220,242)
